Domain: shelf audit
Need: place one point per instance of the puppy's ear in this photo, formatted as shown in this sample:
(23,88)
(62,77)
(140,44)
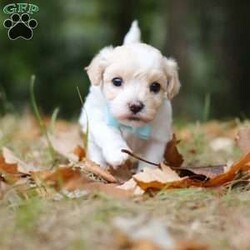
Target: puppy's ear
(171,70)
(98,65)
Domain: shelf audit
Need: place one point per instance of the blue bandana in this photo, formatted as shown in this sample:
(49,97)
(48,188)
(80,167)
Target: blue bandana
(143,132)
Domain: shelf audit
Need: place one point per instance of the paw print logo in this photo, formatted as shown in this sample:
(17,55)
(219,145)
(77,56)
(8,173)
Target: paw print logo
(20,26)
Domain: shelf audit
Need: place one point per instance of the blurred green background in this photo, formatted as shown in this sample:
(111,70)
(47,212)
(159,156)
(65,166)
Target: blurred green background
(209,39)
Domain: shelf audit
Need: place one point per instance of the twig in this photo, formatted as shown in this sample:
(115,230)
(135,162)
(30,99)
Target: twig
(139,158)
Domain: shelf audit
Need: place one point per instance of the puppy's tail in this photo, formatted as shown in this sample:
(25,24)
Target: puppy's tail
(133,35)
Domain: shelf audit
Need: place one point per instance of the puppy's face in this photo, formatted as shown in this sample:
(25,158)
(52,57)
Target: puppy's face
(135,80)
(133,91)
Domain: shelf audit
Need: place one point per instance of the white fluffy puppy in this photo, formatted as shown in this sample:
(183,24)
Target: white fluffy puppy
(128,106)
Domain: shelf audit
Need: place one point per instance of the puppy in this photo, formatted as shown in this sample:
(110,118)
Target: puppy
(128,106)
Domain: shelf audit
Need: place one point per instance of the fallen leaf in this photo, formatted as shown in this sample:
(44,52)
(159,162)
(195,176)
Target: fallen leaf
(155,178)
(201,173)
(123,173)
(132,186)
(8,171)
(62,178)
(109,189)
(73,179)
(243,139)
(11,158)
(171,155)
(171,174)
(64,143)
(79,152)
(10,168)
(145,245)
(157,185)
(209,171)
(242,165)
(97,170)
(184,172)
(191,245)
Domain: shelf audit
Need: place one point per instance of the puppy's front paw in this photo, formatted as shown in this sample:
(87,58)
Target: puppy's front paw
(115,157)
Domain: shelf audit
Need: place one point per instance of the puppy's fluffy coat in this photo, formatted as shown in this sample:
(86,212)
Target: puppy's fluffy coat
(133,84)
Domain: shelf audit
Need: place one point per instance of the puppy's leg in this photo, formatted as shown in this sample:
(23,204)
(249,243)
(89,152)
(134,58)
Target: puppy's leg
(95,153)
(105,142)
(110,141)
(153,152)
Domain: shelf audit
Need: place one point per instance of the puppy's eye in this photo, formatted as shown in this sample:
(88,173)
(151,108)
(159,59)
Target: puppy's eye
(155,87)
(117,81)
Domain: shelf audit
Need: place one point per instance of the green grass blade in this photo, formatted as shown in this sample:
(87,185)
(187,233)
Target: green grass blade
(85,135)
(39,118)
(207,105)
(53,119)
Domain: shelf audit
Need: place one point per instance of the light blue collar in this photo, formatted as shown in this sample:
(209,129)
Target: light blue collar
(143,132)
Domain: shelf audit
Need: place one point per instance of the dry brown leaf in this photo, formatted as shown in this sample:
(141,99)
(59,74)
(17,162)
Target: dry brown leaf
(71,179)
(171,174)
(242,165)
(109,189)
(201,173)
(243,139)
(155,178)
(8,171)
(11,158)
(132,186)
(145,245)
(171,155)
(156,174)
(79,152)
(191,245)
(10,168)
(123,173)
(62,178)
(97,170)
(157,185)
(124,242)
(158,180)
(209,171)
(64,143)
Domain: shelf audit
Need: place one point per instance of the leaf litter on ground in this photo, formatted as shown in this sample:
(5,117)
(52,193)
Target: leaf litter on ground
(76,176)
(77,172)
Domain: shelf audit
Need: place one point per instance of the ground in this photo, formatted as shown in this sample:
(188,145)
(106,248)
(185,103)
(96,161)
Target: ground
(208,218)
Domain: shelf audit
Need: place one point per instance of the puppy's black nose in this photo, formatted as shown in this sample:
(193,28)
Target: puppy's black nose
(136,107)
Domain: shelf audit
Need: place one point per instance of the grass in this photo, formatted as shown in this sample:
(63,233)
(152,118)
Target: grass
(40,121)
(222,221)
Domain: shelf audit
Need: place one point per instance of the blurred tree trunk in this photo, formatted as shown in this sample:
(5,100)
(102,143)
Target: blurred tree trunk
(237,54)
(118,15)
(176,41)
(177,44)
(123,19)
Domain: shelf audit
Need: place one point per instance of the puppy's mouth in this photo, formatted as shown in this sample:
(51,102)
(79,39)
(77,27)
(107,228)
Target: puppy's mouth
(134,118)
(134,121)
(137,119)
